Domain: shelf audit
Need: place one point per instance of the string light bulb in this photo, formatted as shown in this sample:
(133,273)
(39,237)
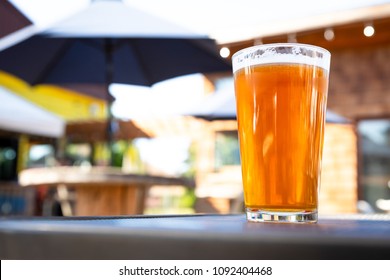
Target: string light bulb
(369,30)
(224,52)
(329,34)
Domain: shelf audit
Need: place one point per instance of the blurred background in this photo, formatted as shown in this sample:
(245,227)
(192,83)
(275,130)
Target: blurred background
(162,138)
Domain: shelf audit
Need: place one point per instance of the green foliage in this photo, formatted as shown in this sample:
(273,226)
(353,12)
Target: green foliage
(188,199)
(227,149)
(191,163)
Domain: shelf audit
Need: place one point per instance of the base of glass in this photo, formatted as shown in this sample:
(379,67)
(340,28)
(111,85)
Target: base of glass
(280,217)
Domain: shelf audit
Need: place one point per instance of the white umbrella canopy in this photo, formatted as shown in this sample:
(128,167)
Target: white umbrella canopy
(114,19)
(20,116)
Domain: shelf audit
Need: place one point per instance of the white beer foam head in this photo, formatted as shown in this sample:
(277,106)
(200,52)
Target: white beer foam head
(280,54)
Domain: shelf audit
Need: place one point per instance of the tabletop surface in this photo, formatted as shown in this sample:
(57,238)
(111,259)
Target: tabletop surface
(194,237)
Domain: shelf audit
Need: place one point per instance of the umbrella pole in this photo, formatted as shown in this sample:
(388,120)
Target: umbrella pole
(111,124)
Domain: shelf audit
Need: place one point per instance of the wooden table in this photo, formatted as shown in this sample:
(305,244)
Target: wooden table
(98,190)
(194,237)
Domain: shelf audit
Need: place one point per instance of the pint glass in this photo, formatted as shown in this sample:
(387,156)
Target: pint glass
(281,93)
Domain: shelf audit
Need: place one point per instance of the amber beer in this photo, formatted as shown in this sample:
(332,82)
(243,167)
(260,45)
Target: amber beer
(281,105)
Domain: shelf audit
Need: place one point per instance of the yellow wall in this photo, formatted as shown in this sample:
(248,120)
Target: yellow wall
(68,104)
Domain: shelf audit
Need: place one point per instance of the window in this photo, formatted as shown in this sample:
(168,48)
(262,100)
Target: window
(227,150)
(78,154)
(41,155)
(374,170)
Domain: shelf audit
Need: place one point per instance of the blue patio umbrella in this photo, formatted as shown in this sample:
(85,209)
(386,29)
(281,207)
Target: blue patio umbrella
(110,42)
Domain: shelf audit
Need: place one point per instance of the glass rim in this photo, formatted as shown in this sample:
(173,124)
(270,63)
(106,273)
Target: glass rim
(326,54)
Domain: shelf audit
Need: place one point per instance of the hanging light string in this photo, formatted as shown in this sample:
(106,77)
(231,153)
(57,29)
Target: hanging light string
(329,35)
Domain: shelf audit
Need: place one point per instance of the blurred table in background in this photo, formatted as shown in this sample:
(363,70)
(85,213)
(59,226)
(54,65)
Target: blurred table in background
(194,237)
(92,191)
